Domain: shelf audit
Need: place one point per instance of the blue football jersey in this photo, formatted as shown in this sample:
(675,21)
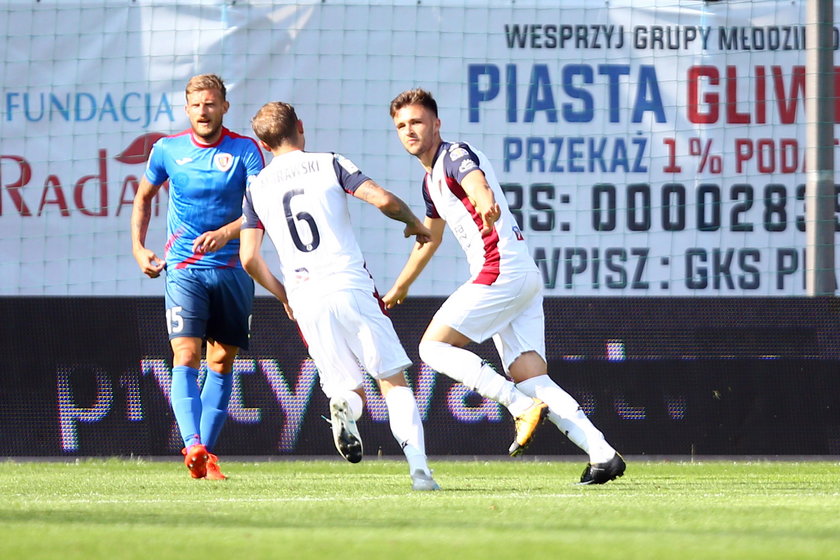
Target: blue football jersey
(206,186)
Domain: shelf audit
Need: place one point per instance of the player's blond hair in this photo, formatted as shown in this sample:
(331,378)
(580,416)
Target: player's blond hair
(275,123)
(416,96)
(204,82)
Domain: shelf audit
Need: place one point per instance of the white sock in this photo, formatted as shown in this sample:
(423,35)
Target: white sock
(565,413)
(407,427)
(464,366)
(355,402)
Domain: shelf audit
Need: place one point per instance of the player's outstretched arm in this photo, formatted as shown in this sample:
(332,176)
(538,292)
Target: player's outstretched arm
(141,213)
(251,256)
(395,208)
(417,261)
(476,187)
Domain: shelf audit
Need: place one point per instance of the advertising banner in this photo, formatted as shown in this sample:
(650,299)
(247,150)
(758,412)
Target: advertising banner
(648,148)
(704,376)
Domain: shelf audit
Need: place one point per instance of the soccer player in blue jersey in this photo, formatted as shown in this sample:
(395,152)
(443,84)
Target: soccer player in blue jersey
(208,294)
(503,298)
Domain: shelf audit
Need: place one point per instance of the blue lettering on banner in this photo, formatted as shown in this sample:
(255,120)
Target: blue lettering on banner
(82,106)
(584,86)
(576,154)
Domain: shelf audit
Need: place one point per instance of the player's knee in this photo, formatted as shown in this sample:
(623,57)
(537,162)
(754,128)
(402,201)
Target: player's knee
(527,365)
(430,352)
(223,366)
(186,351)
(220,357)
(392,381)
(186,358)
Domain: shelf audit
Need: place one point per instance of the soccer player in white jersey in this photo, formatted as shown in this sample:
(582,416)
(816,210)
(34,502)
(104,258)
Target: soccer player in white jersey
(300,200)
(503,297)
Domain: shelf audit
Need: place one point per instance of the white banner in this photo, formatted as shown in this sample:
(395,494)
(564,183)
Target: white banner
(656,149)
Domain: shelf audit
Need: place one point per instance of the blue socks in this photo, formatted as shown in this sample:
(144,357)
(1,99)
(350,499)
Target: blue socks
(186,403)
(200,414)
(215,397)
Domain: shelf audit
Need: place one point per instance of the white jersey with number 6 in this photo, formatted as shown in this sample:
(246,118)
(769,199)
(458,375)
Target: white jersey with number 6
(300,200)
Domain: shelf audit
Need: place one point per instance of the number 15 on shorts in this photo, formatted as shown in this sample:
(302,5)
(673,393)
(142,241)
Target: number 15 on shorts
(174,321)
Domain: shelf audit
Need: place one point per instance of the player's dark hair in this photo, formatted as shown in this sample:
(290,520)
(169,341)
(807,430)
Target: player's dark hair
(416,96)
(204,82)
(275,123)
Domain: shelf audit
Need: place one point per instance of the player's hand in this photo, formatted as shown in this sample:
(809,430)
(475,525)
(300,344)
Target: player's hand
(209,241)
(490,217)
(149,263)
(289,313)
(420,232)
(395,296)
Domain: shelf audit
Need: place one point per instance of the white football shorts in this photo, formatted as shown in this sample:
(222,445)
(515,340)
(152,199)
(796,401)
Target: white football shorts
(345,331)
(509,310)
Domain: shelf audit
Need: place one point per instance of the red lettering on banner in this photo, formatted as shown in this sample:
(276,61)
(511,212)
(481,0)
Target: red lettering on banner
(129,191)
(130,184)
(14,188)
(706,96)
(710,100)
(769,155)
(732,114)
(90,192)
(787,111)
(53,184)
(79,190)
(760,95)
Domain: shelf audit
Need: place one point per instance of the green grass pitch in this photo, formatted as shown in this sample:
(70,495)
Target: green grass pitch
(530,508)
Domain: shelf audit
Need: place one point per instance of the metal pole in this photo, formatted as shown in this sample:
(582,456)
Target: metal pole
(819,190)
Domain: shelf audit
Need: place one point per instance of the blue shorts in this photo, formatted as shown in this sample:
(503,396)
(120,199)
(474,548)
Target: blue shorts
(212,303)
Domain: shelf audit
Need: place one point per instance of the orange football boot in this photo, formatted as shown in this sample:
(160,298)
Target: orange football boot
(196,459)
(213,470)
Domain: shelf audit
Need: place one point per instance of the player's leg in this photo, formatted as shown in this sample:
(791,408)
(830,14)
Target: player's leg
(529,370)
(521,347)
(442,348)
(605,463)
(346,408)
(185,393)
(339,372)
(374,342)
(564,410)
(186,315)
(215,397)
(215,394)
(473,313)
(407,427)
(185,396)
(228,330)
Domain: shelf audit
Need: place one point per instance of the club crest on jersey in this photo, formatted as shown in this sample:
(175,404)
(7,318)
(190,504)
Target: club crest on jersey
(457,152)
(223,161)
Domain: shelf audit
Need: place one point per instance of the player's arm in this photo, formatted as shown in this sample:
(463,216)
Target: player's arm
(395,208)
(417,261)
(141,213)
(476,187)
(250,245)
(210,241)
